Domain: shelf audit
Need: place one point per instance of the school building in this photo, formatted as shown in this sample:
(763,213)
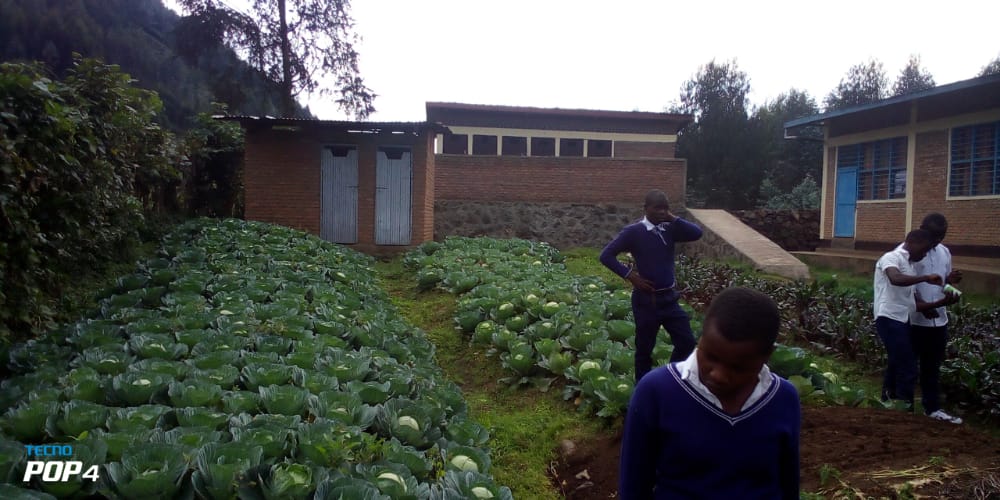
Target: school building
(889,163)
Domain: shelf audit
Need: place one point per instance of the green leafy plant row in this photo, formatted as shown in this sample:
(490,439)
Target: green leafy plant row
(244,360)
(833,320)
(544,323)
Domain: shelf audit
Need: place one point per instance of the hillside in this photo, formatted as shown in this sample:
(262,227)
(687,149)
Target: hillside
(138,35)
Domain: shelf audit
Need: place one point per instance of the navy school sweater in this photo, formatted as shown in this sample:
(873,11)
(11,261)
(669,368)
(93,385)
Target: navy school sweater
(654,257)
(680,443)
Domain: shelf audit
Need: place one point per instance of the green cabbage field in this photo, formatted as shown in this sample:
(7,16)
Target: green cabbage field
(245,360)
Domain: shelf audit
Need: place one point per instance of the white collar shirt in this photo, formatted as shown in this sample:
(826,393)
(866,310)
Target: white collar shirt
(891,301)
(937,261)
(689,373)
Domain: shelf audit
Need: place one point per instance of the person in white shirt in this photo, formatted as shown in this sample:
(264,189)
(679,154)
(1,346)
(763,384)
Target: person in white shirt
(894,301)
(929,323)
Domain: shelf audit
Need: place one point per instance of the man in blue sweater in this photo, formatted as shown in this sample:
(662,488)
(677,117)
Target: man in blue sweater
(718,424)
(654,295)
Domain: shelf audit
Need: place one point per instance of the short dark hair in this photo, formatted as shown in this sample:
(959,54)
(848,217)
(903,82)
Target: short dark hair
(935,223)
(656,196)
(743,314)
(919,236)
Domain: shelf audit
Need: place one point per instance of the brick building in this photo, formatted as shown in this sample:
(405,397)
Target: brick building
(374,186)
(524,154)
(889,163)
(365,184)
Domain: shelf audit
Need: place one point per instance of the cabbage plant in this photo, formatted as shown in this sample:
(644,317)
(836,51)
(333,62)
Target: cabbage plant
(217,465)
(154,470)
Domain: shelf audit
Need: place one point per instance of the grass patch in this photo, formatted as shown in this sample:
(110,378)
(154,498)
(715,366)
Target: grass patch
(525,425)
(584,261)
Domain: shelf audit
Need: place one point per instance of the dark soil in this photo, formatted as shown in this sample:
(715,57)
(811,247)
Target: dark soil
(845,453)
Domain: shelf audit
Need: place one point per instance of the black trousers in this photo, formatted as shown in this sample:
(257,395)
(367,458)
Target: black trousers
(651,311)
(929,344)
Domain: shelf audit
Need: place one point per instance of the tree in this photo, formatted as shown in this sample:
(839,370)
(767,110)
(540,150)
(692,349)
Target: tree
(294,43)
(992,68)
(865,83)
(82,164)
(789,161)
(913,78)
(725,155)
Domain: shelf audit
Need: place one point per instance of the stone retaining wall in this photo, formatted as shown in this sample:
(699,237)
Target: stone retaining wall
(564,225)
(792,230)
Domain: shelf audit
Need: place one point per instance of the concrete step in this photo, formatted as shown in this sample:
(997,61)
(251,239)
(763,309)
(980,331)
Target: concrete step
(725,237)
(979,275)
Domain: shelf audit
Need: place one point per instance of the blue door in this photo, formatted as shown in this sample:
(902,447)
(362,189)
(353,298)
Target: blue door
(847,198)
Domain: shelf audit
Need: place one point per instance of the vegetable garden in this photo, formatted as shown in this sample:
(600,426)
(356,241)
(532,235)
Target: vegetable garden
(245,360)
(248,360)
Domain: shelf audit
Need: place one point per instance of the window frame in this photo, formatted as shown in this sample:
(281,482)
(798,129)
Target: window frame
(971,160)
(882,167)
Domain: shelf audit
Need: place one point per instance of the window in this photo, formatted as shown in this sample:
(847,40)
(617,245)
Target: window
(570,147)
(543,146)
(975,160)
(455,144)
(881,167)
(514,146)
(598,148)
(484,144)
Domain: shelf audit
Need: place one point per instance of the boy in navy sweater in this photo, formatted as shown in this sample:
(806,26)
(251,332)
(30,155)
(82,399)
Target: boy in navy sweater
(654,295)
(718,424)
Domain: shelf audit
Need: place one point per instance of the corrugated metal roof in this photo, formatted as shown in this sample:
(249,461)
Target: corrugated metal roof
(571,120)
(971,83)
(366,127)
(582,113)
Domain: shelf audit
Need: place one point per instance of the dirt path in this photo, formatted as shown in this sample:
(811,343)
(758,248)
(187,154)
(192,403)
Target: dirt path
(846,453)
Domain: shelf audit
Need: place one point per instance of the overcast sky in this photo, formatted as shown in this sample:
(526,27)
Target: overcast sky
(635,54)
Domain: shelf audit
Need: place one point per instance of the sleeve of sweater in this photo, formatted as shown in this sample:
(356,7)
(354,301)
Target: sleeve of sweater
(609,256)
(683,230)
(637,466)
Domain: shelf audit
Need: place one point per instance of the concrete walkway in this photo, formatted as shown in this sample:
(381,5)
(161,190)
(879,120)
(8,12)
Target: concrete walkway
(727,238)
(979,275)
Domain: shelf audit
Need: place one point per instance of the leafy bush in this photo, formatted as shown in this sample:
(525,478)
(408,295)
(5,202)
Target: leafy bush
(81,161)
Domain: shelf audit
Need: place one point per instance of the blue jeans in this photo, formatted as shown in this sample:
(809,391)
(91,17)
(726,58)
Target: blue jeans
(651,311)
(901,372)
(929,343)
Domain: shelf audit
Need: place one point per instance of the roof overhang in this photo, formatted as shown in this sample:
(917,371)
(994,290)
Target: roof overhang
(946,100)
(378,128)
(482,115)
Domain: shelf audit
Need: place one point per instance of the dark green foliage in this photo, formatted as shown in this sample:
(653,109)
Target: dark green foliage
(788,162)
(865,83)
(81,161)
(725,154)
(215,174)
(295,44)
(820,315)
(912,78)
(991,68)
(139,36)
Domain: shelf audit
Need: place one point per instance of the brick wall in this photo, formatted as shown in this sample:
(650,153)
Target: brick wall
(626,149)
(573,180)
(880,221)
(282,180)
(970,221)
